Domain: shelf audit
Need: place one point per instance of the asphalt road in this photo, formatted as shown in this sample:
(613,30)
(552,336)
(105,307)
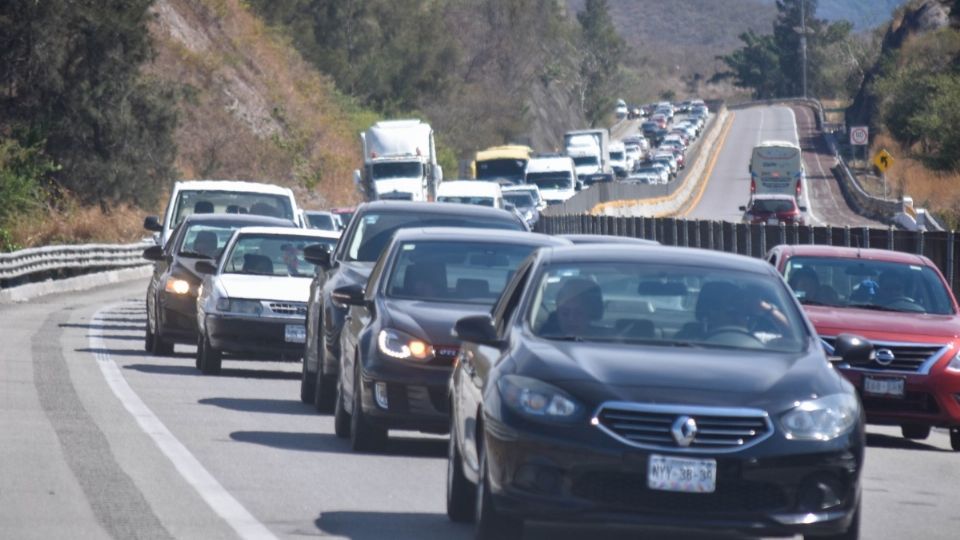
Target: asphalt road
(728,182)
(100,440)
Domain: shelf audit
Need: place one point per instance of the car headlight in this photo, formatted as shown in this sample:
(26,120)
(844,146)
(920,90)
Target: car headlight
(176,286)
(537,399)
(822,419)
(240,306)
(403,346)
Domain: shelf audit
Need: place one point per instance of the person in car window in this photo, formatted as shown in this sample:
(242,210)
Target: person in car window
(291,258)
(579,305)
(805,284)
(891,287)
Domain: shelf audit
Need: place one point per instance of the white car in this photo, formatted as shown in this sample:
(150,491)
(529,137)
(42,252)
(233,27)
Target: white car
(253,299)
(634,155)
(532,189)
(555,176)
(224,197)
(617,153)
(478,192)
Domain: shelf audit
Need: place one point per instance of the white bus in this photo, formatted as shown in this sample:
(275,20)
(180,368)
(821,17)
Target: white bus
(776,167)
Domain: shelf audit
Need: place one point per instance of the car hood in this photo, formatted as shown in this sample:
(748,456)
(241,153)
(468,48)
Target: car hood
(557,194)
(598,372)
(883,325)
(432,321)
(287,289)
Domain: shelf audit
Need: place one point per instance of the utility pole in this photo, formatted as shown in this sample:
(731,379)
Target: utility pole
(803,46)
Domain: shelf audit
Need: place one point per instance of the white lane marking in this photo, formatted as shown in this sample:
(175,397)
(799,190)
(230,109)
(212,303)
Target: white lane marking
(189,467)
(760,138)
(805,186)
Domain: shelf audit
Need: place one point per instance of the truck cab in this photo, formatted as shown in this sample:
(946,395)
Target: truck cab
(400,162)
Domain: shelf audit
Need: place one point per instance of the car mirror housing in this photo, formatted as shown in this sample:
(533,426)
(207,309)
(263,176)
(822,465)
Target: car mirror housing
(205,268)
(152,223)
(853,350)
(153,253)
(318,254)
(803,208)
(477,329)
(743,208)
(351,295)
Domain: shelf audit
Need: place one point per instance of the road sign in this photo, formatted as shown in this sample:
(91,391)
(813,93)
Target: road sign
(883,160)
(859,135)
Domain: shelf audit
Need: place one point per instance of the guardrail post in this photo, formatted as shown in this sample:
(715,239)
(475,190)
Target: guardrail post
(846,236)
(783,233)
(866,237)
(763,239)
(719,224)
(950,254)
(813,235)
(709,235)
(920,238)
(829,235)
(890,243)
(749,239)
(696,235)
(734,242)
(686,232)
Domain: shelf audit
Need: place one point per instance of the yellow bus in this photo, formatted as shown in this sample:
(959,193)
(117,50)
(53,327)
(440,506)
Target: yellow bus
(502,163)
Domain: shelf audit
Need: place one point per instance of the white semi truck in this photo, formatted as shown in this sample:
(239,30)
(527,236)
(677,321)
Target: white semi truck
(590,150)
(399,162)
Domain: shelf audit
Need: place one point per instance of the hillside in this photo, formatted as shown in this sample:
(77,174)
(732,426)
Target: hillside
(864,14)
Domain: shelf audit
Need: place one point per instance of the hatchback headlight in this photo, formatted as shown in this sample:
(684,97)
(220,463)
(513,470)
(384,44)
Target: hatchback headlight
(822,419)
(537,399)
(176,286)
(403,346)
(240,306)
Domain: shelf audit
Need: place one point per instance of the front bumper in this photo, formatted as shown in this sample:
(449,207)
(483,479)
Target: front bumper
(931,399)
(416,396)
(260,336)
(599,481)
(177,317)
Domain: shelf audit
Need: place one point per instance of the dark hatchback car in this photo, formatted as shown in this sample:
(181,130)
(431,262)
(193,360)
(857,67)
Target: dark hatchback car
(370,230)
(397,351)
(172,291)
(662,387)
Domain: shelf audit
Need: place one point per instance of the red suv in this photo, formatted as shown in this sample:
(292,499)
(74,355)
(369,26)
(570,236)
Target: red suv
(773,209)
(904,306)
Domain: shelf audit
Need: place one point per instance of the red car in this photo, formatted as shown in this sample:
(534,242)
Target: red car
(773,209)
(903,305)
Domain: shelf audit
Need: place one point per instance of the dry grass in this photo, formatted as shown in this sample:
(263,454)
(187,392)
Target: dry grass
(71,223)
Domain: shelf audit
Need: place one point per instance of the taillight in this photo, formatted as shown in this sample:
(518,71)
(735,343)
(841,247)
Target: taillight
(798,188)
(753,186)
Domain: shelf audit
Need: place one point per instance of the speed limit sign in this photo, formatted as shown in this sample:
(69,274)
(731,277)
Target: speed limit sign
(859,135)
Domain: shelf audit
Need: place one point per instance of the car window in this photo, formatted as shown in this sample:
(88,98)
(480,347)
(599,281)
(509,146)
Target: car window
(462,272)
(868,284)
(479,200)
(272,255)
(205,240)
(324,222)
(669,305)
(510,299)
(190,201)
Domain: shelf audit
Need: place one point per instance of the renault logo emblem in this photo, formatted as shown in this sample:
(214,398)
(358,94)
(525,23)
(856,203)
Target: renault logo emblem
(684,430)
(884,357)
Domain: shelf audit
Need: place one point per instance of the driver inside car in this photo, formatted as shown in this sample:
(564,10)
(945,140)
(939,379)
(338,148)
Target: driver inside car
(579,306)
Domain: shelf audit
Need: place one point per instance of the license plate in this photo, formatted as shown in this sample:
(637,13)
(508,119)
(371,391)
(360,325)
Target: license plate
(773,221)
(295,333)
(682,474)
(883,386)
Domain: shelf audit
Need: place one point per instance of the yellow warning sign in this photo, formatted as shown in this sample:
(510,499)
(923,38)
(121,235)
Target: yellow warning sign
(883,160)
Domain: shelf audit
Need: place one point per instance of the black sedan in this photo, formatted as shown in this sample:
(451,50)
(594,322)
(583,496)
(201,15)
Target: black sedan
(658,387)
(172,291)
(396,346)
(370,230)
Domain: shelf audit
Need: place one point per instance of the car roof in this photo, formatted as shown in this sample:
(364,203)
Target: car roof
(581,239)
(780,196)
(231,185)
(472,234)
(240,219)
(853,253)
(520,187)
(318,212)
(652,254)
(289,231)
(468,187)
(430,208)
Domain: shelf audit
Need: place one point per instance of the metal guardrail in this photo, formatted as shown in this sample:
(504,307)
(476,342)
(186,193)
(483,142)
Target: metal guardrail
(27,263)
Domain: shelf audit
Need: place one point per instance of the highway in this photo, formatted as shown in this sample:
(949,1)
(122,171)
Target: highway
(101,440)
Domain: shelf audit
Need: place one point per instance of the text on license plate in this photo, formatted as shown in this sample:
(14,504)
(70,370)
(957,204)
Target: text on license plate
(883,386)
(295,333)
(682,474)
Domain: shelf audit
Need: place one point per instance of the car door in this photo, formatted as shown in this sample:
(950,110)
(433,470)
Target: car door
(161,271)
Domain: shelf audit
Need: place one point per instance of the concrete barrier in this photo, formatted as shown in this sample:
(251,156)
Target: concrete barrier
(25,293)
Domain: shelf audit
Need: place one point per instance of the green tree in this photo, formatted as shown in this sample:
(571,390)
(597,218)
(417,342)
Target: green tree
(602,51)
(756,65)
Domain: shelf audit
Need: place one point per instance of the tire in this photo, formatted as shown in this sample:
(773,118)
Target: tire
(491,524)
(915,432)
(325,386)
(461,493)
(210,358)
(341,418)
(955,439)
(148,339)
(307,383)
(160,346)
(852,532)
(364,437)
(199,349)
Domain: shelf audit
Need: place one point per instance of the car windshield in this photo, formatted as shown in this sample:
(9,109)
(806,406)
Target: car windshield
(771,205)
(272,255)
(324,222)
(585,160)
(230,202)
(868,284)
(492,169)
(520,200)
(618,156)
(462,272)
(666,305)
(397,169)
(550,180)
(374,230)
(201,240)
(479,201)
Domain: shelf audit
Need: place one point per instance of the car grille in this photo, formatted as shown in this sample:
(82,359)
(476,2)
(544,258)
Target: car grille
(630,492)
(907,357)
(917,402)
(288,308)
(651,426)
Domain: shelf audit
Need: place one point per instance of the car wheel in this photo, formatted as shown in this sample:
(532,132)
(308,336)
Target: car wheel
(491,524)
(210,358)
(307,382)
(341,418)
(148,339)
(461,492)
(364,437)
(199,350)
(955,438)
(325,386)
(915,432)
(852,532)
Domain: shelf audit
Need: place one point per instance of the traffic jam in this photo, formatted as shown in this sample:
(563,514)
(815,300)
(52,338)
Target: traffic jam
(577,379)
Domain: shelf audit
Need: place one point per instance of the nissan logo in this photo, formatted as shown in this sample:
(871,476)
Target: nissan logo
(885,357)
(684,430)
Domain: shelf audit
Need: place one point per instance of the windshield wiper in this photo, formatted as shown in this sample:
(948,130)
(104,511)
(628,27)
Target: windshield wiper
(195,255)
(577,339)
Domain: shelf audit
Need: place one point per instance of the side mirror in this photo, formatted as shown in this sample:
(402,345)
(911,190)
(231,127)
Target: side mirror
(853,350)
(152,223)
(205,268)
(803,208)
(357,177)
(351,295)
(318,254)
(153,253)
(743,208)
(578,185)
(477,329)
(509,206)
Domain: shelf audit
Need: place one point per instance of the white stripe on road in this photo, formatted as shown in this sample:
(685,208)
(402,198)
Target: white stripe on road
(186,463)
